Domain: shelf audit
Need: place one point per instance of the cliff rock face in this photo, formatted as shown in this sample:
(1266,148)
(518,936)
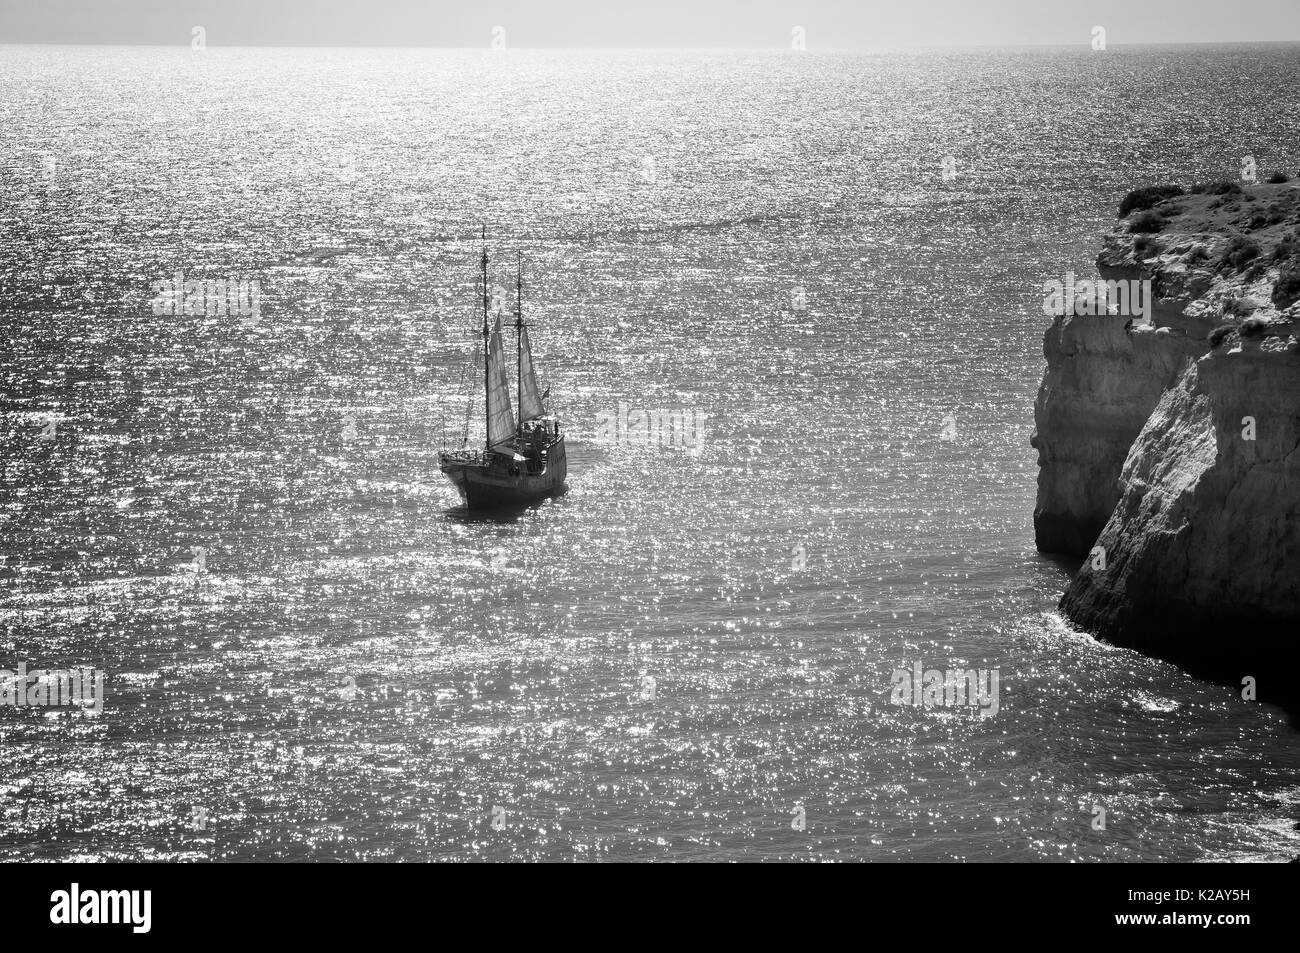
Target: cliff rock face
(1172,464)
(1102,383)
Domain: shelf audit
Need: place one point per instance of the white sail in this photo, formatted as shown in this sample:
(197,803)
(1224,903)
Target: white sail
(530,398)
(501,419)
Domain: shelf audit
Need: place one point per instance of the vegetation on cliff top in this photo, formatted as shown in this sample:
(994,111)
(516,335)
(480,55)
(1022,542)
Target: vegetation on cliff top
(1239,251)
(1144,198)
(1220,334)
(1286,290)
(1221,187)
(1250,231)
(1146,223)
(1253,328)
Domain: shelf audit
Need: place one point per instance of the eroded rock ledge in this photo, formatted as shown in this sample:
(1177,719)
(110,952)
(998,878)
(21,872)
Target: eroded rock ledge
(1170,454)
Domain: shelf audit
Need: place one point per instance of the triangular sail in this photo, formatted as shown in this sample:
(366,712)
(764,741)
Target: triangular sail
(530,398)
(501,419)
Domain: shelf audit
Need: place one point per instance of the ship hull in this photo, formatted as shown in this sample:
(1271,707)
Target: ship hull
(483,486)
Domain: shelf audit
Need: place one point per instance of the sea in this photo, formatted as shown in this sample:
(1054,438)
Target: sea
(833,262)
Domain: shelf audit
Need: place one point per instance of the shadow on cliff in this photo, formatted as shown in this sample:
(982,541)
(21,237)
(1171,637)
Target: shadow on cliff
(1257,658)
(1219,649)
(1065,562)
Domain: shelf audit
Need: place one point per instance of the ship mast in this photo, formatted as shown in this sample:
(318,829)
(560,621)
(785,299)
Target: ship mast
(487,380)
(519,329)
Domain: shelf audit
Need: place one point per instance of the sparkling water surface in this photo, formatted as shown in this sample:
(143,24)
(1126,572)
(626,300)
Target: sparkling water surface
(367,672)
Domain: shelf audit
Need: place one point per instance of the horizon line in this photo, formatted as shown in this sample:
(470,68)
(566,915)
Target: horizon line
(739,49)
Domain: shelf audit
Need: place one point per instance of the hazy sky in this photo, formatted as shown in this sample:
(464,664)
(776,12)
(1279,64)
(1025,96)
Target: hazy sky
(657,23)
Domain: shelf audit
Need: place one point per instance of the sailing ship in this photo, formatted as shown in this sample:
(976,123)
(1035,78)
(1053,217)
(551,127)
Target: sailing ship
(522,461)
